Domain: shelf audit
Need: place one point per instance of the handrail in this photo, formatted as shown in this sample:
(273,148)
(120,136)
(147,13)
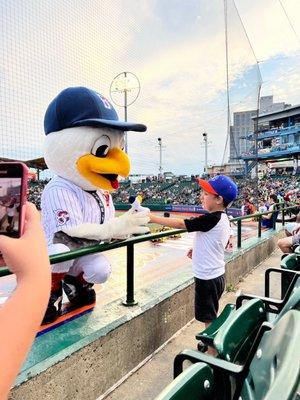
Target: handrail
(130,242)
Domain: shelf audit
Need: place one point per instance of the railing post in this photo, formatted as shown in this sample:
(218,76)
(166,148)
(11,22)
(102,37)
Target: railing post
(259,226)
(273,220)
(283,216)
(130,277)
(239,233)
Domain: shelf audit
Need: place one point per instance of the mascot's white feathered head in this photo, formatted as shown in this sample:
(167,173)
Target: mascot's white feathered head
(85,139)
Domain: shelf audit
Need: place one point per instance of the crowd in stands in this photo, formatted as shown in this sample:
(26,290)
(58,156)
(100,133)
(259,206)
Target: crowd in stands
(35,191)
(253,195)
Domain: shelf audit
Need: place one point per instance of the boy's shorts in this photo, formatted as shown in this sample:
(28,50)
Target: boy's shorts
(207,296)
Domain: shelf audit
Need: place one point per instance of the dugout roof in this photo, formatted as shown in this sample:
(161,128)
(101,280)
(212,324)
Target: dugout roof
(37,163)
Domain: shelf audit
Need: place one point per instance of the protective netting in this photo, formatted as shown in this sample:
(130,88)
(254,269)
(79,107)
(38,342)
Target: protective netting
(176,49)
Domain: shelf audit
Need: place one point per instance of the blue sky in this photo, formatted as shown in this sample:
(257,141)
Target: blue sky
(175,47)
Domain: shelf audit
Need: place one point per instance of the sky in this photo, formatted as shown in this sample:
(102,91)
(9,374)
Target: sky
(176,49)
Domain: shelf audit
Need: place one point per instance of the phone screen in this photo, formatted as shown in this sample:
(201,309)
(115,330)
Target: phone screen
(11,198)
(10,195)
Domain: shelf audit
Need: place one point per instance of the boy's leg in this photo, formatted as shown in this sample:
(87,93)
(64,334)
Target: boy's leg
(207,295)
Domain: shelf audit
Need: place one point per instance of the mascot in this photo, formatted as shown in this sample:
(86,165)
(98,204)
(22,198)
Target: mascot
(84,148)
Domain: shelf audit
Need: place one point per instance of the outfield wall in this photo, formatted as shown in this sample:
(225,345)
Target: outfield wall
(180,208)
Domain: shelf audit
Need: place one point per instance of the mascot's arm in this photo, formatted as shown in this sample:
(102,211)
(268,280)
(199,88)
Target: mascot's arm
(128,224)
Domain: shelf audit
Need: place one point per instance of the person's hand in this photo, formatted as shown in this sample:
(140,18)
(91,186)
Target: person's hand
(229,245)
(28,254)
(189,254)
(296,230)
(130,223)
(151,217)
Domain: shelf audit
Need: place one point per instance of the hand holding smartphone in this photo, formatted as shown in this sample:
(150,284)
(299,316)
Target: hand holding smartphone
(13,191)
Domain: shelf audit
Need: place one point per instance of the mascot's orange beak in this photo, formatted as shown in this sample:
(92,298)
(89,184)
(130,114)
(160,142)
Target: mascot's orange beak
(103,172)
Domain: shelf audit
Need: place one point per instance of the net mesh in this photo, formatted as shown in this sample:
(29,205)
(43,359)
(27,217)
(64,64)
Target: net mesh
(177,50)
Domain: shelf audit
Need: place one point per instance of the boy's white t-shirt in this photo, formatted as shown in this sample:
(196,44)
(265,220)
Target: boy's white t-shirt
(212,234)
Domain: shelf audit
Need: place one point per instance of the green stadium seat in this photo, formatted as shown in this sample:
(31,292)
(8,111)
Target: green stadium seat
(234,340)
(194,383)
(297,250)
(234,336)
(291,262)
(274,372)
(271,371)
(273,308)
(276,309)
(207,335)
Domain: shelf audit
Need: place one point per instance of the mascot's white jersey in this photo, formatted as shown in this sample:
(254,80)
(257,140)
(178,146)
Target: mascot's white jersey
(65,205)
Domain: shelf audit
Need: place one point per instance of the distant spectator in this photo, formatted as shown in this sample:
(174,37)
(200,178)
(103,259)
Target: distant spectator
(268,219)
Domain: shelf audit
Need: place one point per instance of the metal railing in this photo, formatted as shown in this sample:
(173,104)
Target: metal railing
(129,243)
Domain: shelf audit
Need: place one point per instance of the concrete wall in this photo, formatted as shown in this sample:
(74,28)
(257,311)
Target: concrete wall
(91,371)
(245,260)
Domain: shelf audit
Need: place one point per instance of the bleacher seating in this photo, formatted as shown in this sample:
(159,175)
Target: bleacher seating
(272,306)
(257,343)
(271,371)
(289,262)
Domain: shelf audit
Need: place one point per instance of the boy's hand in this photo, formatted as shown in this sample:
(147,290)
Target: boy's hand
(150,217)
(189,254)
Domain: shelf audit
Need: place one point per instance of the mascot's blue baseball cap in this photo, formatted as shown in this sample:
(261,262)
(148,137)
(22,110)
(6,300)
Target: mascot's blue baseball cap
(80,106)
(220,185)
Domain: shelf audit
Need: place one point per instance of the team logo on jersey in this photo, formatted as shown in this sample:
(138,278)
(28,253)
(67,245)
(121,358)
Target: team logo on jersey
(62,217)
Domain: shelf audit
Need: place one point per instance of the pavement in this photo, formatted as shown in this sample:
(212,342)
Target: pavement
(154,375)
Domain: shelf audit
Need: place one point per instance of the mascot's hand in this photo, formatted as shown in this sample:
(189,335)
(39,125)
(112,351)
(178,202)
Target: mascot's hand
(130,223)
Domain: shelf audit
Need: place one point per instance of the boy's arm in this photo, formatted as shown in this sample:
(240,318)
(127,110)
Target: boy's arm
(177,223)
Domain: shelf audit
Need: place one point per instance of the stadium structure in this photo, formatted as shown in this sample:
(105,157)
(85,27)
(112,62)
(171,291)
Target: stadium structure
(277,139)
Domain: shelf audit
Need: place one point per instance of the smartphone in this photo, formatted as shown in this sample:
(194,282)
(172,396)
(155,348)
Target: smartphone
(13,193)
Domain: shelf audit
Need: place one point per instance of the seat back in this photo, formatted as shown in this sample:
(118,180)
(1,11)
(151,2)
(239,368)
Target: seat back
(194,383)
(235,339)
(292,262)
(274,371)
(293,302)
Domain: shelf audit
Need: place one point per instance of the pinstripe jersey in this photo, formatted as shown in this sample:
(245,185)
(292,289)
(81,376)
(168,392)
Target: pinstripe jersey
(65,205)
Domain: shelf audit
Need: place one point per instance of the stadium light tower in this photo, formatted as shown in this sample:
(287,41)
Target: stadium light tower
(205,152)
(124,90)
(160,156)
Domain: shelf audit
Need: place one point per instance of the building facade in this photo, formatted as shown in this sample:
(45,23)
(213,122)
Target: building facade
(243,124)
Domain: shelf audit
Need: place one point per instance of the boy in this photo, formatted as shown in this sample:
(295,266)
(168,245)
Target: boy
(212,234)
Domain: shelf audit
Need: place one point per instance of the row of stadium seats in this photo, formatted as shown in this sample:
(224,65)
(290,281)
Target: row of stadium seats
(257,344)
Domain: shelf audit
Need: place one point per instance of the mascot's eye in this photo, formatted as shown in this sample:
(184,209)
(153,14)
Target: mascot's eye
(101,147)
(102,151)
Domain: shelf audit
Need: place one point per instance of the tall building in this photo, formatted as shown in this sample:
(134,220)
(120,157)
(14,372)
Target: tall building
(243,125)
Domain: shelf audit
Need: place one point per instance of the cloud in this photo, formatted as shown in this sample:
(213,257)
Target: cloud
(177,49)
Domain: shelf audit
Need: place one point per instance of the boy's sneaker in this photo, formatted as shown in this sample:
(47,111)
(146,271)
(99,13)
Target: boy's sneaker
(54,306)
(78,291)
(202,347)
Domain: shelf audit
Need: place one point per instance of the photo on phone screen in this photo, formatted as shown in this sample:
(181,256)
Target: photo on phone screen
(12,198)
(10,195)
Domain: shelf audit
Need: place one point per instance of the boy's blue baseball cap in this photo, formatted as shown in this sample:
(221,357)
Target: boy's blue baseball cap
(80,106)
(220,185)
